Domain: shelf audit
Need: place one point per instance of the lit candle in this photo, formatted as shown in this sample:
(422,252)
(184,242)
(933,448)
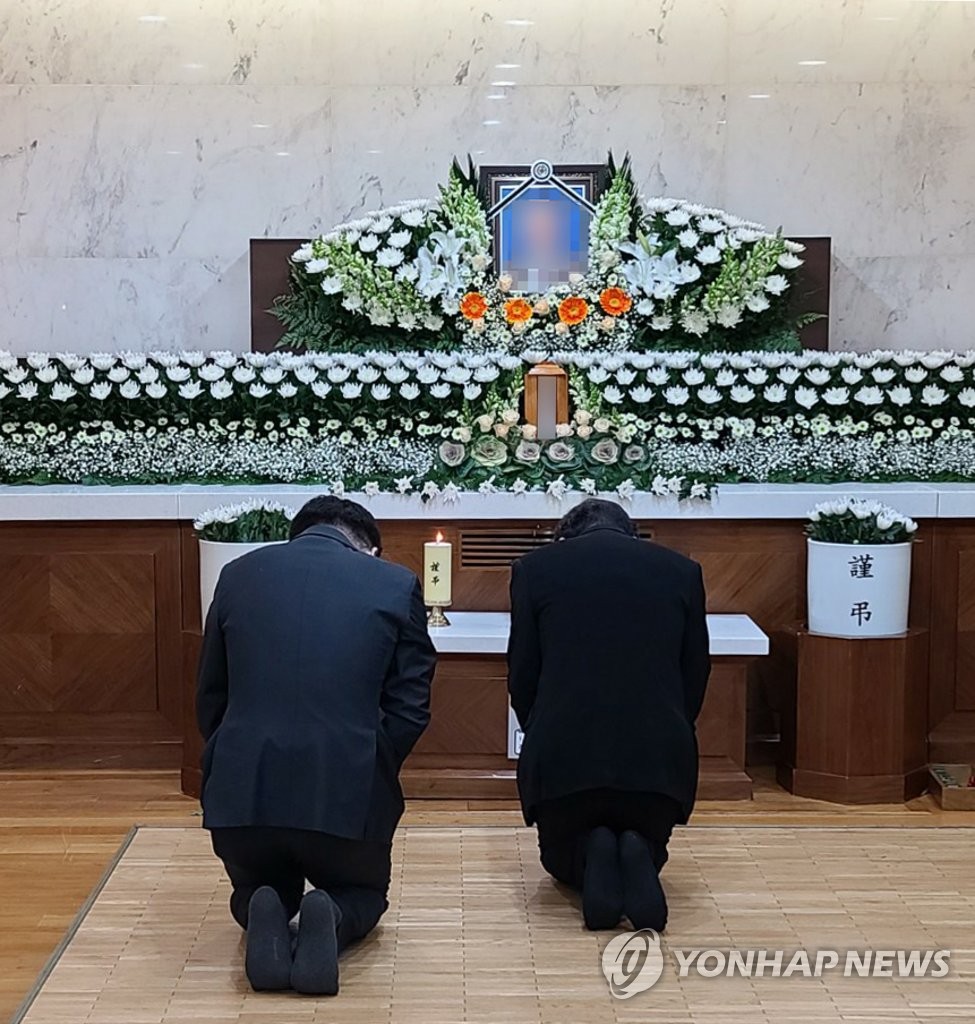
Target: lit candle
(436,572)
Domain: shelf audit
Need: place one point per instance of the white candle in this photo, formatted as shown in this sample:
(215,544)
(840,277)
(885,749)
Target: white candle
(436,572)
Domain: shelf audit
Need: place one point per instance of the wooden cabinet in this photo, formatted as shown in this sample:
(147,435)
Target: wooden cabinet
(856,727)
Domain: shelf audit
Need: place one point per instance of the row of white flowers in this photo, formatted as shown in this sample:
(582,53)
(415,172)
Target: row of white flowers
(413,466)
(887,385)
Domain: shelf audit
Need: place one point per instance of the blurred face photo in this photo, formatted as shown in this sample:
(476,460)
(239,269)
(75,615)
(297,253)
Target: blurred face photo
(545,238)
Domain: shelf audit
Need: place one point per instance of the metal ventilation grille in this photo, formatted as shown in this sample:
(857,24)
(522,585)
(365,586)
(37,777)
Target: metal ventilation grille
(492,548)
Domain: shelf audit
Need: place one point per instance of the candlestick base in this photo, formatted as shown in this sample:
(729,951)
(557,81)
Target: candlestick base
(436,617)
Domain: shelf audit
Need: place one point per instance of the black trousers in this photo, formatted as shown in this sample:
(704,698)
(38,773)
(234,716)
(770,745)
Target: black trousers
(355,873)
(564,825)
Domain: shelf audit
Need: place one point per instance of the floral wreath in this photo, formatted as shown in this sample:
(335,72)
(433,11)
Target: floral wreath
(662,273)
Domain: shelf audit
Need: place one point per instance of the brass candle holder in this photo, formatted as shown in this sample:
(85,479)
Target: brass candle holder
(436,617)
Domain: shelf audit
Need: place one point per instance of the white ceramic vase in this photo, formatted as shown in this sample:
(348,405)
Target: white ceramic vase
(214,555)
(858,590)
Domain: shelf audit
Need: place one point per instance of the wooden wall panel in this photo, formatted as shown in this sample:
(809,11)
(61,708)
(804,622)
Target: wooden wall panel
(98,623)
(89,644)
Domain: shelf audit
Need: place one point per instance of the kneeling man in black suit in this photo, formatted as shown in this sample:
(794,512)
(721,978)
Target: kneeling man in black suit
(607,667)
(314,685)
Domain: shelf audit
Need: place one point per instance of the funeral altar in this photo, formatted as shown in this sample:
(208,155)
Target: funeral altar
(471,365)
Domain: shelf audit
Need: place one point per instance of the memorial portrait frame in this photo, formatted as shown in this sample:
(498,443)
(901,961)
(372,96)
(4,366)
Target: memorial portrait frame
(503,185)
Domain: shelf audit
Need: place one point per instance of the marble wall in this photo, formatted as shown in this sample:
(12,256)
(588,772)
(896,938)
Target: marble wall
(143,142)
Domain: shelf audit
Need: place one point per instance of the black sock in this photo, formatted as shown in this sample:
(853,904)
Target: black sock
(602,891)
(267,960)
(644,901)
(316,964)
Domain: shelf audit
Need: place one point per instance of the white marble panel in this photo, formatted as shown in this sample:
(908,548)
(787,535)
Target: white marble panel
(884,170)
(914,302)
(395,42)
(94,305)
(127,138)
(817,41)
(187,42)
(552,42)
(137,171)
(674,134)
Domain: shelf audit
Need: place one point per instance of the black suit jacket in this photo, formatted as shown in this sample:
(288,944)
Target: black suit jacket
(607,667)
(314,684)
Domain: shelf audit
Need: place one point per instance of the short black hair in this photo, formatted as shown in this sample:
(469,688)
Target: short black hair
(594,513)
(348,516)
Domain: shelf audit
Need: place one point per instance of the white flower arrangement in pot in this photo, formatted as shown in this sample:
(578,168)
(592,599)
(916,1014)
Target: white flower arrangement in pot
(859,569)
(230,531)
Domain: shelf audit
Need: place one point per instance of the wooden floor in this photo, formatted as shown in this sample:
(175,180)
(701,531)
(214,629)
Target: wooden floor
(59,831)
(477,933)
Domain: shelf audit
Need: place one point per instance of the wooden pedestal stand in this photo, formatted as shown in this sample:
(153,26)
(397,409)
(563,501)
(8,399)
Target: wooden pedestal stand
(855,728)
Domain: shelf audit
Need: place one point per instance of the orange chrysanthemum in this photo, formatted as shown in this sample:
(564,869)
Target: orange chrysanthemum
(473,305)
(573,310)
(615,301)
(517,311)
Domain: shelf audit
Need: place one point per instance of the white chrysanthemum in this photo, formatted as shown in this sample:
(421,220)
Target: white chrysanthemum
(776,284)
(677,218)
(676,395)
(869,395)
(331,285)
(694,321)
(389,257)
